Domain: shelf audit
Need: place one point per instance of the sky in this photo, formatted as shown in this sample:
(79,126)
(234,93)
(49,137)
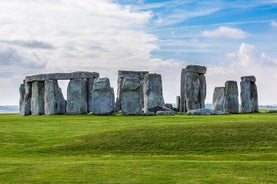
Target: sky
(231,38)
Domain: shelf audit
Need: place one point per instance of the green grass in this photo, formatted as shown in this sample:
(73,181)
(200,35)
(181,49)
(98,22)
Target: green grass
(139,149)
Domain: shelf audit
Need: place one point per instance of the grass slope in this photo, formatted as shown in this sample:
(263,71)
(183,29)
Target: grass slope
(138,149)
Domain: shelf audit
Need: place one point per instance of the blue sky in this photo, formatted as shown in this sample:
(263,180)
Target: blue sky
(231,38)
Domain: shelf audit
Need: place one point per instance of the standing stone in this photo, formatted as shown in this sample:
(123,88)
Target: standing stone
(231,103)
(25,107)
(249,94)
(53,97)
(131,100)
(218,99)
(77,97)
(102,97)
(21,96)
(90,84)
(153,93)
(178,99)
(37,102)
(121,76)
(193,88)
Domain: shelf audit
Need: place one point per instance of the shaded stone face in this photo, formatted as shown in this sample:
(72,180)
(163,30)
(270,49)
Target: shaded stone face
(218,99)
(249,95)
(121,76)
(53,97)
(131,101)
(231,103)
(153,93)
(77,97)
(25,107)
(102,97)
(193,88)
(37,101)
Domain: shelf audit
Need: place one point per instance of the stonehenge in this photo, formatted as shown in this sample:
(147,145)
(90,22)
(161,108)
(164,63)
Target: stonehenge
(138,93)
(193,88)
(249,94)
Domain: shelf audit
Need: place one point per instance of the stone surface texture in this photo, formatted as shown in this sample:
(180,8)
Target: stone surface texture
(53,98)
(249,95)
(37,101)
(231,103)
(153,93)
(193,88)
(62,76)
(218,99)
(123,74)
(77,97)
(131,99)
(25,106)
(204,111)
(102,97)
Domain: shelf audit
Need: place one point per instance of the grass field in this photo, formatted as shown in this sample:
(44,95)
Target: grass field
(139,149)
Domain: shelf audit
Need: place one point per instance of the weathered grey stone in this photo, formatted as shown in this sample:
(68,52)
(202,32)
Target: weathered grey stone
(178,99)
(25,108)
(62,76)
(196,69)
(37,102)
(169,106)
(21,96)
(218,99)
(204,111)
(90,84)
(131,100)
(153,93)
(248,78)
(102,97)
(249,95)
(165,113)
(231,104)
(77,97)
(193,88)
(53,98)
(123,74)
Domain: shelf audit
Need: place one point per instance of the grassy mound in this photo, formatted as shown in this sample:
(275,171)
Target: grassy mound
(138,149)
(177,139)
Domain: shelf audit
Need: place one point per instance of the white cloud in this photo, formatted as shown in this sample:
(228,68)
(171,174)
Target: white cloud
(273,23)
(225,32)
(247,60)
(67,35)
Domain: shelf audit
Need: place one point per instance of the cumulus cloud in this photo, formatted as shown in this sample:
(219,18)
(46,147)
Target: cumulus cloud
(247,60)
(67,35)
(225,32)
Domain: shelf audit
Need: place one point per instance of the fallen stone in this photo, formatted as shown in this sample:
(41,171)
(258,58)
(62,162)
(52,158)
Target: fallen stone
(165,113)
(205,112)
